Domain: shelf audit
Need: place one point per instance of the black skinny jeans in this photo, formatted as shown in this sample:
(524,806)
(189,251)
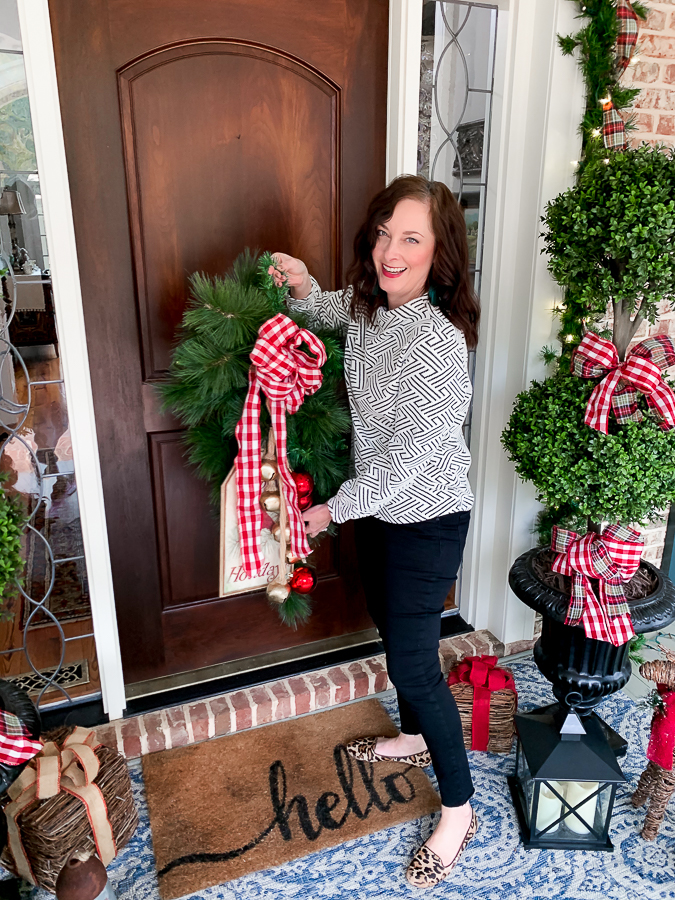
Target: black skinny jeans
(407,571)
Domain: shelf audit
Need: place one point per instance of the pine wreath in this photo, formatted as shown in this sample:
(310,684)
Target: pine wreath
(208,380)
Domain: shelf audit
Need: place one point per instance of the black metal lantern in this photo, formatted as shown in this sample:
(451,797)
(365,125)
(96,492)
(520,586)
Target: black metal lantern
(565,782)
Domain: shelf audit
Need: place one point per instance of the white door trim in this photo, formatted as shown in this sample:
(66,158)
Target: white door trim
(403,91)
(538,104)
(51,157)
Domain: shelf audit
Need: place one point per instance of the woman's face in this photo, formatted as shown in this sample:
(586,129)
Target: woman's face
(404,251)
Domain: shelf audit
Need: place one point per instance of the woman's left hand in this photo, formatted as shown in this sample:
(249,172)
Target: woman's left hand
(317,519)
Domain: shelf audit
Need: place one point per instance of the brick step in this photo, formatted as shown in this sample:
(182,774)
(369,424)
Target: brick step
(191,723)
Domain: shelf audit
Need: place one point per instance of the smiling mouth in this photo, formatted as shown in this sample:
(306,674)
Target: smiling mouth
(391,272)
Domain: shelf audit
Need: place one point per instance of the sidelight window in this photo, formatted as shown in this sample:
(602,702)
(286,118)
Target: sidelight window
(46,639)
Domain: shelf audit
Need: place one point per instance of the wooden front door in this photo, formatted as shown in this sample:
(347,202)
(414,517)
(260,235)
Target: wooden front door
(193,130)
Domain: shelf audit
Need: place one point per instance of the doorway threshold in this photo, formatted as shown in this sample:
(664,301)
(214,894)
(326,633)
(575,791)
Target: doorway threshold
(187,687)
(239,709)
(158,693)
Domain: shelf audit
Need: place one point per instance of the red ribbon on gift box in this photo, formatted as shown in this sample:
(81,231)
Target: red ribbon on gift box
(662,739)
(483,674)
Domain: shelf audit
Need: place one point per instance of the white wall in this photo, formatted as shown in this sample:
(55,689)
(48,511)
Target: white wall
(538,107)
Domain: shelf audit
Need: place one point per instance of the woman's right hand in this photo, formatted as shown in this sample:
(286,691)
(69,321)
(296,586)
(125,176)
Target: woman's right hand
(296,274)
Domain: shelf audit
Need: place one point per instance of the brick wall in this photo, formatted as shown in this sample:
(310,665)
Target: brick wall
(654,74)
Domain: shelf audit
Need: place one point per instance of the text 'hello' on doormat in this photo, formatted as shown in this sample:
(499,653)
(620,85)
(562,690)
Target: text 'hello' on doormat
(250,801)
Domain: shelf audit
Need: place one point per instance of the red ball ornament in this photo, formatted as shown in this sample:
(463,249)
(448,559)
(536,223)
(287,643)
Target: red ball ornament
(303,580)
(305,502)
(304,483)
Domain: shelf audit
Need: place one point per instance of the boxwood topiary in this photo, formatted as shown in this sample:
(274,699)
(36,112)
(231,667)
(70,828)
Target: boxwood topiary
(625,476)
(611,239)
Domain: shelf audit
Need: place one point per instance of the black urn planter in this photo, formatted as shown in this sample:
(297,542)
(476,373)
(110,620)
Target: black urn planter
(583,671)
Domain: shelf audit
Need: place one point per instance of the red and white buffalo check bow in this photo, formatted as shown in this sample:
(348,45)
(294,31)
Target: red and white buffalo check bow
(285,374)
(613,558)
(642,371)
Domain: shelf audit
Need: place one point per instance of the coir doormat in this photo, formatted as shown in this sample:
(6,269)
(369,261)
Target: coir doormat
(249,801)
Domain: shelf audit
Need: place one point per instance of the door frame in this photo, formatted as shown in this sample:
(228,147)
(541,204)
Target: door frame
(534,139)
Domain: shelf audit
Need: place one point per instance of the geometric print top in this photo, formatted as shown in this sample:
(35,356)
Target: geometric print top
(409,392)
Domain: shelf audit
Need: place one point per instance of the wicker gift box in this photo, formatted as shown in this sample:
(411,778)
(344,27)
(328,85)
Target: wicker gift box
(53,829)
(477,678)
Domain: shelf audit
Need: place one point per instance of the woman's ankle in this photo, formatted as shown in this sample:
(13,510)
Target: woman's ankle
(402,745)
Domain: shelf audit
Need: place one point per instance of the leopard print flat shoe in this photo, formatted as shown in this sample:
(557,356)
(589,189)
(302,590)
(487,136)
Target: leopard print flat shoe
(427,870)
(364,749)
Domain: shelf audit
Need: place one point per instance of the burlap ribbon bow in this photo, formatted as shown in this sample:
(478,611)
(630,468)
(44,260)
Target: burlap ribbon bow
(613,558)
(483,674)
(641,372)
(71,768)
(662,737)
(286,375)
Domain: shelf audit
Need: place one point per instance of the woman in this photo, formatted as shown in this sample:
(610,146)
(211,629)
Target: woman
(409,314)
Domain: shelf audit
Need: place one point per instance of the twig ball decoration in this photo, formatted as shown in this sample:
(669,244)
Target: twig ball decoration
(270,500)
(303,580)
(278,593)
(276,532)
(269,470)
(304,484)
(305,502)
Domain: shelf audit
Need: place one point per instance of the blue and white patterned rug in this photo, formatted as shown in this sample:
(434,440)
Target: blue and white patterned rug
(495,865)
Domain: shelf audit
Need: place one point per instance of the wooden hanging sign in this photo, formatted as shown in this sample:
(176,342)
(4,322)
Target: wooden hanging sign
(233,578)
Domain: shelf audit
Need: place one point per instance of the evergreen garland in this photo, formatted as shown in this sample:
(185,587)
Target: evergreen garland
(208,382)
(597,57)
(596,43)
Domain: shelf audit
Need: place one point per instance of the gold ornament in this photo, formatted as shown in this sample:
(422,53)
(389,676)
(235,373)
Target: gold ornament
(269,469)
(292,558)
(278,593)
(270,500)
(276,532)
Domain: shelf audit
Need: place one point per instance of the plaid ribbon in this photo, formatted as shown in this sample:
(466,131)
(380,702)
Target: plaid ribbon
(72,769)
(285,374)
(613,128)
(628,34)
(613,558)
(641,372)
(16,744)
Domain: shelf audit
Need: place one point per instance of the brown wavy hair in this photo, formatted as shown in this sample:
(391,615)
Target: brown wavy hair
(449,278)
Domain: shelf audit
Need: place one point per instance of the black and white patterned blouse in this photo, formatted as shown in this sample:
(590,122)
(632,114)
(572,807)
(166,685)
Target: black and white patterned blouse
(409,392)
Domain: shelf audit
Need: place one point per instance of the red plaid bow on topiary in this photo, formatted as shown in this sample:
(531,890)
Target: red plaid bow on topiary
(618,391)
(613,558)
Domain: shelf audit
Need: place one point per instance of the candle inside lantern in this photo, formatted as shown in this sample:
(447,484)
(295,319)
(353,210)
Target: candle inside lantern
(576,792)
(549,807)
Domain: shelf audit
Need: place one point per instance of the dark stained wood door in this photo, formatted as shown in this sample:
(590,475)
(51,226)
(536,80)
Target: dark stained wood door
(193,130)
